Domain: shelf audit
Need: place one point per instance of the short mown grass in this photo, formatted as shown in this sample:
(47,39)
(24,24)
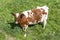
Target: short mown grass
(52,31)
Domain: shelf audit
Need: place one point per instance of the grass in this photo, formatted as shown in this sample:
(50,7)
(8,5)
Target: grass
(2,37)
(52,31)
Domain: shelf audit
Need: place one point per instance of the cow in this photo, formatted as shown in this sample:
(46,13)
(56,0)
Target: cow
(34,16)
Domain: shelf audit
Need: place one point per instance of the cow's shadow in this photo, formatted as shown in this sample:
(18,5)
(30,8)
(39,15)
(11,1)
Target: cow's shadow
(13,25)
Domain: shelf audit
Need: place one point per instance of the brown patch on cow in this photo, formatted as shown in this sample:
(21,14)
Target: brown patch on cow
(23,20)
(37,14)
(30,19)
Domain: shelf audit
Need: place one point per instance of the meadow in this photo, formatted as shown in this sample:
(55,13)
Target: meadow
(10,31)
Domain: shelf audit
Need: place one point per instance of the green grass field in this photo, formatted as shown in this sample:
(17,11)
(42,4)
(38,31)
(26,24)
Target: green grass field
(36,32)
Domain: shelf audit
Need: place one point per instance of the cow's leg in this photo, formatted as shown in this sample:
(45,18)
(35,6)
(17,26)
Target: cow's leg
(24,29)
(44,24)
(45,21)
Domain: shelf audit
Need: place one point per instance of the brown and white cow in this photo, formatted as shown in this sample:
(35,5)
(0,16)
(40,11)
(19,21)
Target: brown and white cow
(34,16)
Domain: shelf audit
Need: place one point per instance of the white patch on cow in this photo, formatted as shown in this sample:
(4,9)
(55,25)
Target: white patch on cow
(26,13)
(17,14)
(31,23)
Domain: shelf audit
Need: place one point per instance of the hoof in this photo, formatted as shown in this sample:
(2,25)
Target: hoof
(43,27)
(24,35)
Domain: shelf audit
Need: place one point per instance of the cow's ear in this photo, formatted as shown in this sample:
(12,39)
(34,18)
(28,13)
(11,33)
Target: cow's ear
(13,14)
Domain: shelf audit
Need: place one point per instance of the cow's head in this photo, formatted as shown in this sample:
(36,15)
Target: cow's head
(16,16)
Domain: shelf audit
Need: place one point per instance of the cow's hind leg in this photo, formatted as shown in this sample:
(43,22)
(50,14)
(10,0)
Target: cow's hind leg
(44,24)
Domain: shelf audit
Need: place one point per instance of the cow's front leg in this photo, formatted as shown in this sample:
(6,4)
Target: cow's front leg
(24,29)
